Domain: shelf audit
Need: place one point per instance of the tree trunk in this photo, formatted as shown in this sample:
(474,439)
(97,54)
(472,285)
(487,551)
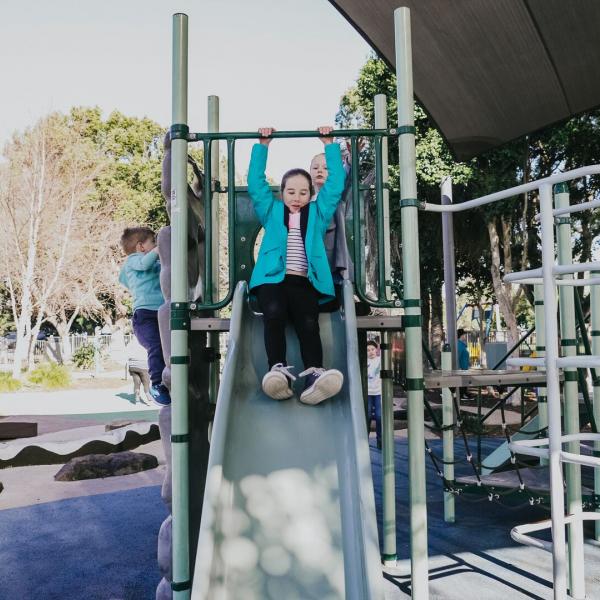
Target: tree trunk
(437,320)
(503,291)
(426,317)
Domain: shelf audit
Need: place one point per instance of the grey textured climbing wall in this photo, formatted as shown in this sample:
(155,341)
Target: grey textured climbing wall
(199,408)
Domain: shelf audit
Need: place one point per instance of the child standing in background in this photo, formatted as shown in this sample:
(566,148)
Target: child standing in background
(374,388)
(140,275)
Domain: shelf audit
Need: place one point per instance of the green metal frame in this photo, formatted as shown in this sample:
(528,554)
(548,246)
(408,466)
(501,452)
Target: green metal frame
(241,243)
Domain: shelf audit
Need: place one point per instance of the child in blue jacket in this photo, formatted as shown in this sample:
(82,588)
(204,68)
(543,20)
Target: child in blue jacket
(140,275)
(292,275)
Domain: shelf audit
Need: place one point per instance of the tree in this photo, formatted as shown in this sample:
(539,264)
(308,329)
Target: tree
(48,174)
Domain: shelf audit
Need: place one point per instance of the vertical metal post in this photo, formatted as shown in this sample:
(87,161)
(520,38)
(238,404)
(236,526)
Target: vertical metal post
(540,349)
(449,271)
(412,306)
(387,385)
(448,436)
(595,322)
(557,504)
(179,313)
(568,344)
(387,433)
(381,123)
(213,336)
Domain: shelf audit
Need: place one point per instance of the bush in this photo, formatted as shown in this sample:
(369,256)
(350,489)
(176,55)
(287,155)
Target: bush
(51,376)
(83,357)
(8,383)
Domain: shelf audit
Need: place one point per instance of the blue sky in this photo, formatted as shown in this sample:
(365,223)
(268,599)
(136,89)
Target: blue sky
(272,62)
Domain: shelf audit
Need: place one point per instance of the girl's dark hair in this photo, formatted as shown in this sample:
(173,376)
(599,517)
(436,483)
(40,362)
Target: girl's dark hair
(293,173)
(373,343)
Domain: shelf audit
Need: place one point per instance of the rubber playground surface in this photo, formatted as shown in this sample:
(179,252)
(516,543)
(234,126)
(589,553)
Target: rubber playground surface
(103,546)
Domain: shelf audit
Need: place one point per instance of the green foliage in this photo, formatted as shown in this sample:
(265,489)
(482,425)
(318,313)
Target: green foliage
(8,383)
(84,356)
(130,185)
(50,376)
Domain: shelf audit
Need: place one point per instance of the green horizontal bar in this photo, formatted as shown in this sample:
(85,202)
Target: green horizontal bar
(384,346)
(180,360)
(310,133)
(539,303)
(406,129)
(563,220)
(411,321)
(568,342)
(542,400)
(571,376)
(179,131)
(541,348)
(411,303)
(595,333)
(181,438)
(596,381)
(414,385)
(386,374)
(181,586)
(389,557)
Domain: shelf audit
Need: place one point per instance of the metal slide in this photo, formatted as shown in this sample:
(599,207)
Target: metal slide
(289,510)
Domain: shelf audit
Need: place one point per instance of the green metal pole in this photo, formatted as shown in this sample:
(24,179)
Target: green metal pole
(179,313)
(213,336)
(389,473)
(387,385)
(595,322)
(381,123)
(412,306)
(448,437)
(540,349)
(568,344)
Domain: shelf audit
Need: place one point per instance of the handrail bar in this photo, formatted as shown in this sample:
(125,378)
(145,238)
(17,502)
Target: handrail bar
(309,133)
(514,191)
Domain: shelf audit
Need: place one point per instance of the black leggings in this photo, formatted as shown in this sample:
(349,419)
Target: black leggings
(297,300)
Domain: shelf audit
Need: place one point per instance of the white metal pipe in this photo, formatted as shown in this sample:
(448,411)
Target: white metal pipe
(557,212)
(579,282)
(519,275)
(575,268)
(519,532)
(515,191)
(559,555)
(526,362)
(538,452)
(578,362)
(580,459)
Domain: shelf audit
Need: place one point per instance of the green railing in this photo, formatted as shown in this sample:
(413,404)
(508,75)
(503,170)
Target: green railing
(209,302)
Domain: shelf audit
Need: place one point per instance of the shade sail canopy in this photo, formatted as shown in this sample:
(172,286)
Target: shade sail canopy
(489,71)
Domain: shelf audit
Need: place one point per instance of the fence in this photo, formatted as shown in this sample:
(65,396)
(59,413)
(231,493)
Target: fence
(54,347)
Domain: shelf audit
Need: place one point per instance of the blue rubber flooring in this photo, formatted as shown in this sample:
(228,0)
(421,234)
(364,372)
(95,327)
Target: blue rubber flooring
(91,548)
(104,547)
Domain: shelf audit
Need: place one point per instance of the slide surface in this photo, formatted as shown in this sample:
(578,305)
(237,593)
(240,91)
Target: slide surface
(289,510)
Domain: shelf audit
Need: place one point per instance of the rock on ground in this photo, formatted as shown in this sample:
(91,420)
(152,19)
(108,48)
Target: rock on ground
(93,466)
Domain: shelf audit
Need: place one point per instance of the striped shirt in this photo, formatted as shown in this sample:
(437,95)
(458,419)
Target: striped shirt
(296,262)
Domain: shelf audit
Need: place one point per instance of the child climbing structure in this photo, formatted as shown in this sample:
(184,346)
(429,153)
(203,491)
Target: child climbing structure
(287,502)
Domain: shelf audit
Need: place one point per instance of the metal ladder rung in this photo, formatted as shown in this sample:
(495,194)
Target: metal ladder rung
(526,362)
(518,276)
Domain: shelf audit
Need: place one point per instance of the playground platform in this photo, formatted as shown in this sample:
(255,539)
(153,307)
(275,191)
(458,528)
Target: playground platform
(103,546)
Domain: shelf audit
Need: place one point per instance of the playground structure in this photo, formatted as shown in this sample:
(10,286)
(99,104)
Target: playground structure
(235,454)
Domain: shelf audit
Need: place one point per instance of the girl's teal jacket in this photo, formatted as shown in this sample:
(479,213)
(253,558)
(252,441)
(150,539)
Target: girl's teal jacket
(271,263)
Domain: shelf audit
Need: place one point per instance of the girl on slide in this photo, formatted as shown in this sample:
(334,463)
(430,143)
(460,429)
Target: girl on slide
(292,275)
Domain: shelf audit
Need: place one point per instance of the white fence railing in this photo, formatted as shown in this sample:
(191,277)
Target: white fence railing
(55,348)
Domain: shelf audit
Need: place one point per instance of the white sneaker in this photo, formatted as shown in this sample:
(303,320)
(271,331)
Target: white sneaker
(277,382)
(321,384)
